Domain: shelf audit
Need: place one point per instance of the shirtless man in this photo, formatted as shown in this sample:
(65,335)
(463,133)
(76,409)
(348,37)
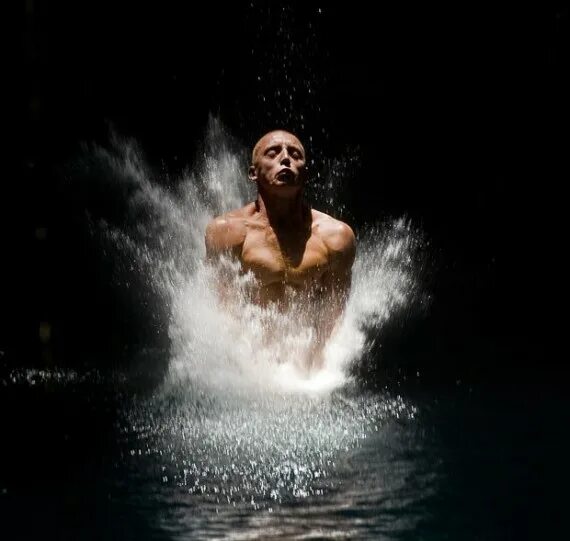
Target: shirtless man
(296,254)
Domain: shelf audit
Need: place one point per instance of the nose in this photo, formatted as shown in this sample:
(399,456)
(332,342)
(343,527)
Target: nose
(285,158)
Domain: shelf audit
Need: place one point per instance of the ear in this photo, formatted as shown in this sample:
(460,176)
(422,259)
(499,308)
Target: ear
(251,174)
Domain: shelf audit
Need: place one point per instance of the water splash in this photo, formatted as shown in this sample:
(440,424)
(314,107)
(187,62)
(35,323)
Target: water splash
(228,349)
(237,420)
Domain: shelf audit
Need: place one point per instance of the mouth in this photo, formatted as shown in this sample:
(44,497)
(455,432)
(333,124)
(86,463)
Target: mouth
(285,175)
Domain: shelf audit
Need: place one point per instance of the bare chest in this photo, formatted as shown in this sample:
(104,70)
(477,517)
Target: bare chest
(294,261)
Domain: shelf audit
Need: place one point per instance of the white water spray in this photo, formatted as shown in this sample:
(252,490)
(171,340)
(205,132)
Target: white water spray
(216,348)
(236,420)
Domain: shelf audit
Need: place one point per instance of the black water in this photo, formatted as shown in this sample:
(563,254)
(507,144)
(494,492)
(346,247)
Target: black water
(91,456)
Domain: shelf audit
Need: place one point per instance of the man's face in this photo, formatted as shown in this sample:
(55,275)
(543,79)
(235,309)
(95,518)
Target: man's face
(278,163)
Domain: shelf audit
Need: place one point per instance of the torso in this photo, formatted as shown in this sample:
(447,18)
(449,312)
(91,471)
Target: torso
(282,263)
(278,264)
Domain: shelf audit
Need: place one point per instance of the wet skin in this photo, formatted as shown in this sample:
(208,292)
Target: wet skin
(297,255)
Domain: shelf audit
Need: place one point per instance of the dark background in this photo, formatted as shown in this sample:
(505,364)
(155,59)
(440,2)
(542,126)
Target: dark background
(459,120)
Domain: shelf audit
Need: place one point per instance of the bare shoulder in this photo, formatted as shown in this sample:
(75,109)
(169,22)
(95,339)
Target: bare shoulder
(337,235)
(227,231)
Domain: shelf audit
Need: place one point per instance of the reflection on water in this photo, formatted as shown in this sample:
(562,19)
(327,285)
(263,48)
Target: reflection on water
(255,450)
(89,456)
(279,465)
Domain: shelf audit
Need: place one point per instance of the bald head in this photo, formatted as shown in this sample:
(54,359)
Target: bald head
(271,138)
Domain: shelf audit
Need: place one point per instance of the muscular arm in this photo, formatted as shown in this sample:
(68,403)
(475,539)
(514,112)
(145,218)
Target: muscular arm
(224,235)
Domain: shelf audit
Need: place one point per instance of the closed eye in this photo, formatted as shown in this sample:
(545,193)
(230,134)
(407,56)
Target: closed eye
(294,152)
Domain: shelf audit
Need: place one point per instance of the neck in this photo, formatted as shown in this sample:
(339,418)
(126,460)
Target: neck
(282,213)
